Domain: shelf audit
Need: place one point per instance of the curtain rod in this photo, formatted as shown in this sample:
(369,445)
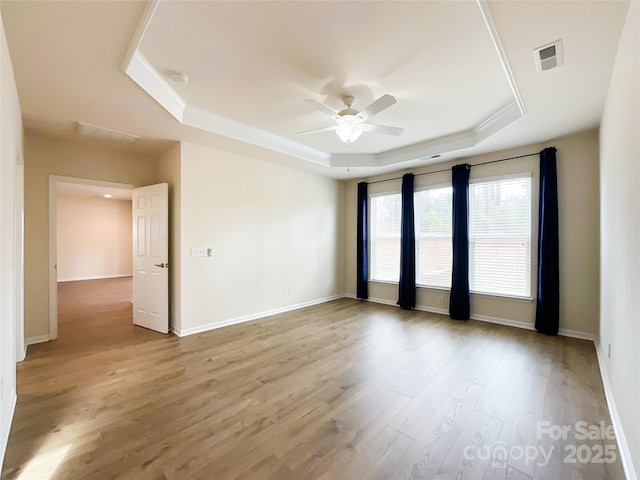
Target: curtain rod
(448,169)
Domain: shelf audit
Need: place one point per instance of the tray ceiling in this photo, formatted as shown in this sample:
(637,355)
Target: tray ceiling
(462,73)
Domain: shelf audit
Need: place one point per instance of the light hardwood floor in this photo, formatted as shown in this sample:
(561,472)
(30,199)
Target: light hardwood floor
(343,390)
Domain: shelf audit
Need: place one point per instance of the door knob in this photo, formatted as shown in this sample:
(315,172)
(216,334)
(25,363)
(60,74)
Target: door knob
(162,265)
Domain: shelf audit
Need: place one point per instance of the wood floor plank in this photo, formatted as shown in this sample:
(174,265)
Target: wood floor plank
(345,390)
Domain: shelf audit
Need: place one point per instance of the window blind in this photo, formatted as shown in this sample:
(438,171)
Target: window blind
(433,236)
(500,236)
(385,237)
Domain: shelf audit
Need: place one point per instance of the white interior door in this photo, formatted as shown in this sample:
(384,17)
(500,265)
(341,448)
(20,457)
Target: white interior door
(151,257)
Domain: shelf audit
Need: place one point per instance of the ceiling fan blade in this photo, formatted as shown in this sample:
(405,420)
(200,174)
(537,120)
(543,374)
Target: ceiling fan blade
(317,130)
(385,129)
(383,102)
(321,108)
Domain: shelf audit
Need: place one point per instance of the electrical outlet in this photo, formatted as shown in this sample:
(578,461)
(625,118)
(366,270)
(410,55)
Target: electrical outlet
(440,299)
(609,351)
(272,294)
(291,290)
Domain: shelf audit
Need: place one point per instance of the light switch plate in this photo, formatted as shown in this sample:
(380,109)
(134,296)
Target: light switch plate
(200,252)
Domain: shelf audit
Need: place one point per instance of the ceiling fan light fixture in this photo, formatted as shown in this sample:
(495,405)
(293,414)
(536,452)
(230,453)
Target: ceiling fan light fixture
(350,127)
(349,133)
(351,123)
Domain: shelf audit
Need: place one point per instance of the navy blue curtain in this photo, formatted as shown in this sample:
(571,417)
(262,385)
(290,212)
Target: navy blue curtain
(459,307)
(362,261)
(548,297)
(407,285)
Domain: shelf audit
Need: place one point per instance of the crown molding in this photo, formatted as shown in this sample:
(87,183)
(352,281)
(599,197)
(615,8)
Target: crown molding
(483,5)
(151,81)
(197,118)
(141,71)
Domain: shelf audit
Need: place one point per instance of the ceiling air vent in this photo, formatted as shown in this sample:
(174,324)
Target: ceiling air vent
(104,133)
(548,56)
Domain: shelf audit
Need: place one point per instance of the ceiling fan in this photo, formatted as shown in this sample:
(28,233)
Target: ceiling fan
(350,123)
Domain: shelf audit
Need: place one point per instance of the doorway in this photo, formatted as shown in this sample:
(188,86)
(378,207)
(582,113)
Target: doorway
(90,248)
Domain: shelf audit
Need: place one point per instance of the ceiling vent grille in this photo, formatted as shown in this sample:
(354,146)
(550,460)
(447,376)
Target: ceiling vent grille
(548,56)
(98,132)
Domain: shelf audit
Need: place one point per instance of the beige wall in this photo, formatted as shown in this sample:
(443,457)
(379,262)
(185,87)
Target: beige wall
(620,232)
(10,239)
(270,228)
(94,238)
(579,225)
(45,156)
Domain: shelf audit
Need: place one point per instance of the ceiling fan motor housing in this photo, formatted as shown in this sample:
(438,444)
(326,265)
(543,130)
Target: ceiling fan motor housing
(348,101)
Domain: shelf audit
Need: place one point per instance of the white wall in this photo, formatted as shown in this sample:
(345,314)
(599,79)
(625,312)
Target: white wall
(620,233)
(94,238)
(579,235)
(10,253)
(270,228)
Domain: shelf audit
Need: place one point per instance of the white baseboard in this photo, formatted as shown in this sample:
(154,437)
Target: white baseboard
(94,277)
(439,311)
(7,421)
(21,353)
(623,446)
(249,318)
(382,301)
(485,318)
(565,332)
(33,340)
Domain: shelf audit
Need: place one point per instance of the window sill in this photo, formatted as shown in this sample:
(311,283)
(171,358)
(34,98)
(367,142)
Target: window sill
(429,287)
(478,294)
(506,297)
(384,282)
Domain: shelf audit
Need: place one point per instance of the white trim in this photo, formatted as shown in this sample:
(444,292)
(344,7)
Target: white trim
(147,77)
(38,339)
(440,145)
(21,350)
(493,33)
(498,121)
(211,122)
(8,421)
(440,311)
(95,277)
(149,11)
(53,243)
(499,178)
(435,186)
(251,317)
(143,73)
(623,446)
(18,248)
(53,259)
(383,301)
(506,297)
(564,332)
(503,321)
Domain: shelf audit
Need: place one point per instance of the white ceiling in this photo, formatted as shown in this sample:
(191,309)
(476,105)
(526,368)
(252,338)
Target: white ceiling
(90,191)
(462,73)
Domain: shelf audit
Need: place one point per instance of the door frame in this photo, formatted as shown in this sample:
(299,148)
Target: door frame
(53,238)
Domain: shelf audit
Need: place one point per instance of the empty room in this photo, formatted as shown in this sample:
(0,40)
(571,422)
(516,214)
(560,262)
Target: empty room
(320,240)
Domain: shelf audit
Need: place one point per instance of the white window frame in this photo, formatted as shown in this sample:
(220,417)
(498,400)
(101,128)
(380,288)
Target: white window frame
(373,238)
(418,236)
(529,175)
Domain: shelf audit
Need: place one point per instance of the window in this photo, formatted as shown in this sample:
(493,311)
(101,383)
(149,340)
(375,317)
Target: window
(385,237)
(433,236)
(500,236)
